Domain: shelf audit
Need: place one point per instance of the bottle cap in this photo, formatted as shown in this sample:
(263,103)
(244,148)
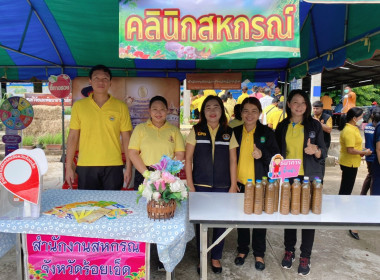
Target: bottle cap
(249,180)
(286,180)
(296,180)
(265,178)
(272,180)
(258,181)
(306,181)
(319,181)
(306,178)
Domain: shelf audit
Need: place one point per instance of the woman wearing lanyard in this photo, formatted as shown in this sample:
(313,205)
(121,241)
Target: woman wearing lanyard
(153,139)
(257,145)
(351,151)
(299,136)
(211,162)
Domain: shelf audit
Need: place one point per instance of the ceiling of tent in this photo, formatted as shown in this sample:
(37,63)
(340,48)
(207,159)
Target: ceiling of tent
(39,38)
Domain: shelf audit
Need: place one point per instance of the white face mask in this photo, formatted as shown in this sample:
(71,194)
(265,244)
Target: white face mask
(359,122)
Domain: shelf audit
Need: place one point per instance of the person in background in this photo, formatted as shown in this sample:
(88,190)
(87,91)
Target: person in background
(325,120)
(97,124)
(268,110)
(211,149)
(258,93)
(153,139)
(349,99)
(369,131)
(229,109)
(351,151)
(376,161)
(277,116)
(230,100)
(266,100)
(299,136)
(278,94)
(208,92)
(244,95)
(237,114)
(257,146)
(197,103)
(327,104)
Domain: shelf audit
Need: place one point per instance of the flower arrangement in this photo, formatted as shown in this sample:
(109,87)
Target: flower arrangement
(162,184)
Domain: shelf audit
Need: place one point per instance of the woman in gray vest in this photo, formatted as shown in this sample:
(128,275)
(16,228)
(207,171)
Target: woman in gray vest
(211,162)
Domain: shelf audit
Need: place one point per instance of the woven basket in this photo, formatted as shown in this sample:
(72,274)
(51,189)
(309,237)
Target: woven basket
(161,210)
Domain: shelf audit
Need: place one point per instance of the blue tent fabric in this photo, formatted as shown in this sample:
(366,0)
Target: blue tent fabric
(32,35)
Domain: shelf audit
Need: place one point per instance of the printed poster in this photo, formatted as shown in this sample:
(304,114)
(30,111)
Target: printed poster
(204,30)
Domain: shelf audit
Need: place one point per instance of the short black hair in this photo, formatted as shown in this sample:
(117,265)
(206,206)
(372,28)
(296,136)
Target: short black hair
(224,97)
(280,105)
(253,101)
(158,98)
(100,67)
(318,104)
(275,99)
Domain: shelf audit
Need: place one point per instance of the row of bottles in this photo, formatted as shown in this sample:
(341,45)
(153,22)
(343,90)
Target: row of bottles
(295,199)
(262,196)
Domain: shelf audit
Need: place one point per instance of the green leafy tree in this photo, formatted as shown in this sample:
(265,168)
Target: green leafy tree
(365,95)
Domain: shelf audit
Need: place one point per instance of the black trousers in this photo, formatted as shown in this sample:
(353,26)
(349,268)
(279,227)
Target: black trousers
(290,240)
(368,182)
(348,179)
(109,178)
(290,237)
(139,178)
(217,251)
(258,238)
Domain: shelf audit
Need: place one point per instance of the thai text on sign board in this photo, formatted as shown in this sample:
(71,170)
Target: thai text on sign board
(213,81)
(197,30)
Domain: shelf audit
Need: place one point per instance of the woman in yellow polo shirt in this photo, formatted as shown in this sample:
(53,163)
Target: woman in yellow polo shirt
(211,162)
(351,151)
(299,136)
(257,145)
(153,139)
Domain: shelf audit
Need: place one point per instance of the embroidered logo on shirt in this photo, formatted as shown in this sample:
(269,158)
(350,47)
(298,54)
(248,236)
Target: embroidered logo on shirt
(262,139)
(312,134)
(226,137)
(171,139)
(112,118)
(201,133)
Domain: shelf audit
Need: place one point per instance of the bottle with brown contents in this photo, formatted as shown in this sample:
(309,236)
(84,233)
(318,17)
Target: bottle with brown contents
(312,189)
(317,198)
(305,197)
(285,197)
(264,183)
(249,197)
(295,206)
(258,207)
(269,197)
(276,194)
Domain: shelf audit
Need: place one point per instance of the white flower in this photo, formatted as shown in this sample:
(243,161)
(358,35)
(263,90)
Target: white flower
(155,176)
(156,196)
(177,186)
(184,194)
(147,193)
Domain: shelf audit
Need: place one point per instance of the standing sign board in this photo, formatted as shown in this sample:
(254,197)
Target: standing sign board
(204,30)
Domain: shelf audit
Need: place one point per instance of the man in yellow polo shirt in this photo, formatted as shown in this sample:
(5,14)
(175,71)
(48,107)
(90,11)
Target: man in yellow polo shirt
(243,95)
(96,124)
(276,117)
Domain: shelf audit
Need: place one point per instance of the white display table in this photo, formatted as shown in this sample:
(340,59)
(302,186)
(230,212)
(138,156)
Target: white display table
(212,210)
